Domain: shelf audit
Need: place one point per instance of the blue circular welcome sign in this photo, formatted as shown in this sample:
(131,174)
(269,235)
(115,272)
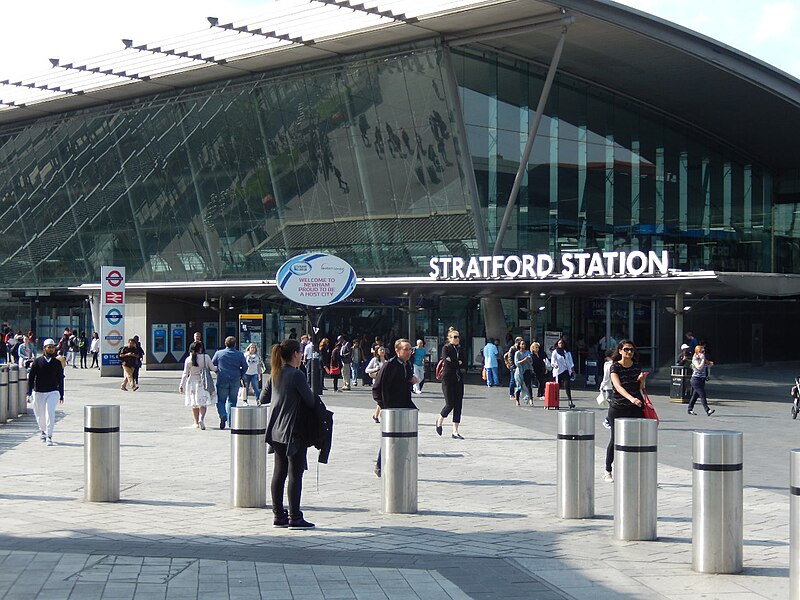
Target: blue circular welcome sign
(316,279)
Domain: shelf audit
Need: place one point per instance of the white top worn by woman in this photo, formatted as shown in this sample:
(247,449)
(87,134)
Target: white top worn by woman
(95,345)
(255,366)
(561,363)
(374,366)
(606,385)
(193,390)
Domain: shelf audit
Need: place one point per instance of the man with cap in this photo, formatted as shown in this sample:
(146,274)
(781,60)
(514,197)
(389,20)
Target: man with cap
(46,387)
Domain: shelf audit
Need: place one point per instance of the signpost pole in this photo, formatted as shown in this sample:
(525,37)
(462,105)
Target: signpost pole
(112,319)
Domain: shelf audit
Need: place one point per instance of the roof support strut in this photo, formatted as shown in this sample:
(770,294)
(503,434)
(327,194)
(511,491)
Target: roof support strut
(523,163)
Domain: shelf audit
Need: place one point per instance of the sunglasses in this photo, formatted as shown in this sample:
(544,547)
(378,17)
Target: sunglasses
(456,337)
(629,349)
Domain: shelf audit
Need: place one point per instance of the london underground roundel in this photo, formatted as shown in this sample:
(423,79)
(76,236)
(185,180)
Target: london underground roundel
(316,279)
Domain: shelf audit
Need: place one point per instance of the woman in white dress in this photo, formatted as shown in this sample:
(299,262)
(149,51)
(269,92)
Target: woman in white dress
(196,396)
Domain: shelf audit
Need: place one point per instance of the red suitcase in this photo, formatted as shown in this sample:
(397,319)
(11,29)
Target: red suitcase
(551,391)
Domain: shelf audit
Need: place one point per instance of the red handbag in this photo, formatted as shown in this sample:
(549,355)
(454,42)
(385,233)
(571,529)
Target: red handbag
(334,371)
(649,409)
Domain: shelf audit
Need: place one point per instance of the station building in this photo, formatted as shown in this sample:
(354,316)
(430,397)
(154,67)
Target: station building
(660,194)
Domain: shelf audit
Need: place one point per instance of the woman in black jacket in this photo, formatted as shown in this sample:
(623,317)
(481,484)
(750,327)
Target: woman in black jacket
(290,419)
(452,382)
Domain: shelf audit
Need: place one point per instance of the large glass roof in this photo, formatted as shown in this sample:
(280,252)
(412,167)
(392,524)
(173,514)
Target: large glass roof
(286,24)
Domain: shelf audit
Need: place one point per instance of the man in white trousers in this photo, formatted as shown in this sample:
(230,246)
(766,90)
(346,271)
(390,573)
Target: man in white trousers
(46,386)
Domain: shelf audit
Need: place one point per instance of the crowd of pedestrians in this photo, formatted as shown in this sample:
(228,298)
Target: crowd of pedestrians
(395,371)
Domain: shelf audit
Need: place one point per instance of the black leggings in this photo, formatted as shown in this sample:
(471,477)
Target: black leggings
(541,380)
(563,382)
(291,467)
(619,412)
(453,391)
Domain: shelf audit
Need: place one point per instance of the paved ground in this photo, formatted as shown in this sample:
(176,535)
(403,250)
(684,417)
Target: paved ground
(485,529)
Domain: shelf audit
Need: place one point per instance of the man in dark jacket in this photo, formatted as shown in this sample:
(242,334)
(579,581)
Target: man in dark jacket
(392,387)
(46,387)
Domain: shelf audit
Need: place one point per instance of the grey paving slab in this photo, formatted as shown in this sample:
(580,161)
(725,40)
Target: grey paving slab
(486,526)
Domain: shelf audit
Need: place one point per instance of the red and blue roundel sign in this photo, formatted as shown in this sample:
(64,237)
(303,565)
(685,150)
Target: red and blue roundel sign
(316,279)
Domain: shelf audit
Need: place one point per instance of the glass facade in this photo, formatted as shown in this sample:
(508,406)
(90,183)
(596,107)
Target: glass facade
(361,158)
(230,180)
(605,174)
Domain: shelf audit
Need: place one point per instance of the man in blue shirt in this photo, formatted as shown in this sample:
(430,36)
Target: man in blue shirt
(231,365)
(490,353)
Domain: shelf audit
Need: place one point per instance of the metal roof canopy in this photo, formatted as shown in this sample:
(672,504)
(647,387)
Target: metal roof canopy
(739,285)
(709,86)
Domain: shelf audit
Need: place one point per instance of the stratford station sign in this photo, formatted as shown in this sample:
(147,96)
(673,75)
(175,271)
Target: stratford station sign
(570,265)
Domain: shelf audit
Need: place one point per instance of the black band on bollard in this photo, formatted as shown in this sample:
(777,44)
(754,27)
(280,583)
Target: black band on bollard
(400,434)
(248,431)
(101,429)
(635,448)
(574,437)
(703,467)
(794,491)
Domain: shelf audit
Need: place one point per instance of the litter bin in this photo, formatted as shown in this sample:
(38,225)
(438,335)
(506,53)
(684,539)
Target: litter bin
(681,388)
(591,373)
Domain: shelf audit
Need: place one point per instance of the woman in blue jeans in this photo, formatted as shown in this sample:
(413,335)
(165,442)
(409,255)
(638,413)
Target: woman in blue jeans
(700,367)
(255,369)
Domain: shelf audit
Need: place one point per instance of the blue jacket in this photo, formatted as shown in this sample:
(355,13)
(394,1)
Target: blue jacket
(231,364)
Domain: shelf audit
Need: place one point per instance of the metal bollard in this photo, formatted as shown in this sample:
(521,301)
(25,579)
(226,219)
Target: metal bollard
(3,393)
(13,391)
(635,479)
(22,393)
(717,503)
(399,444)
(575,470)
(248,456)
(794,525)
(101,452)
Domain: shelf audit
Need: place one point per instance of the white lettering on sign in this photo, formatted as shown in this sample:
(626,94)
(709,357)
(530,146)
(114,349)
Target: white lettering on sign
(574,265)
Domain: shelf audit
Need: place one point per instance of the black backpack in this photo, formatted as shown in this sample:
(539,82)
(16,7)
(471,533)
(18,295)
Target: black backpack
(15,351)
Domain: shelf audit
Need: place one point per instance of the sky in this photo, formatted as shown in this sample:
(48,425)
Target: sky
(34,31)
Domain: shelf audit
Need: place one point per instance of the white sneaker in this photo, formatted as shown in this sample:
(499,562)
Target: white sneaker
(608,477)
(202,425)
(50,441)
(44,437)
(195,425)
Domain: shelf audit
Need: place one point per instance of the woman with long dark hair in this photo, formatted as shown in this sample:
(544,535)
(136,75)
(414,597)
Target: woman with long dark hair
(290,416)
(626,401)
(324,359)
(563,368)
(452,382)
(195,395)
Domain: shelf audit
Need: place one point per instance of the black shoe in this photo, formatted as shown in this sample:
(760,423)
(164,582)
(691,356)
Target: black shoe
(377,472)
(691,412)
(572,405)
(300,523)
(438,430)
(376,419)
(281,521)
(222,421)
(457,436)
(710,412)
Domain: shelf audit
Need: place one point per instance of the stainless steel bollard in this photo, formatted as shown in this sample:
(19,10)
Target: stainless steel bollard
(575,470)
(22,393)
(13,391)
(101,452)
(248,456)
(399,443)
(794,525)
(717,503)
(635,479)
(3,393)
